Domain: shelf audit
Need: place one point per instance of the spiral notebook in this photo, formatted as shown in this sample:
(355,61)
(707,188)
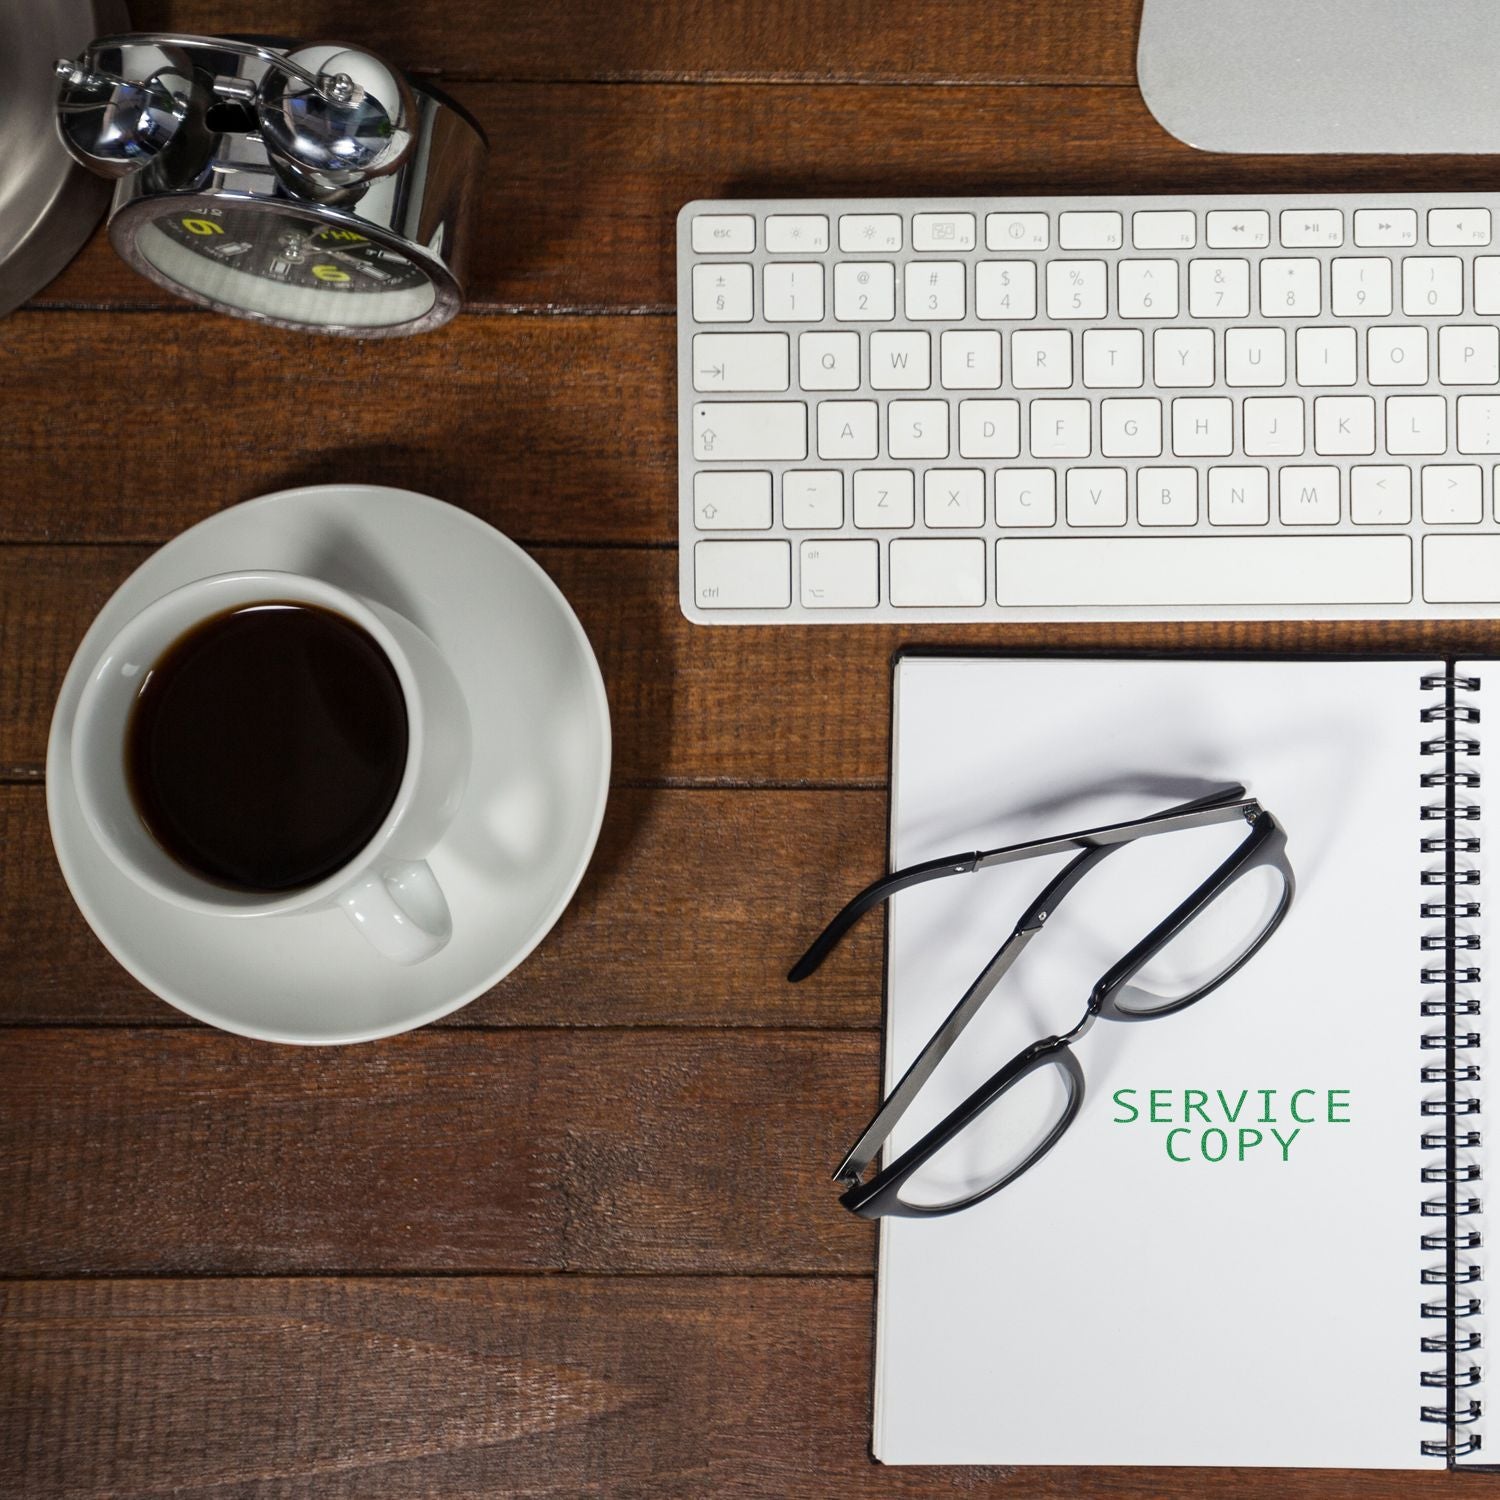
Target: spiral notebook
(1261,1241)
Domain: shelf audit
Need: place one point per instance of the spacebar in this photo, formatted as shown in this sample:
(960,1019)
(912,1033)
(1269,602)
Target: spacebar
(1205,570)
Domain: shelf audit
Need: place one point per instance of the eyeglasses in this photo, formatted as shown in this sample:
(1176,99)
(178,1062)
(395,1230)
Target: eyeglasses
(1013,1120)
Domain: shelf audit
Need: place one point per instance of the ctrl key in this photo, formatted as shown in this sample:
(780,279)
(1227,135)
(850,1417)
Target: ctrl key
(742,575)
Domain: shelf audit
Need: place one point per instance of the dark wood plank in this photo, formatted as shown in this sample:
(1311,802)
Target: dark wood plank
(695,906)
(656,1388)
(585,182)
(190,1152)
(689,703)
(994,41)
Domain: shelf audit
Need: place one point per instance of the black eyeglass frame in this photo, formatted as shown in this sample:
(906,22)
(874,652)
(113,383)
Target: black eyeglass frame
(1263,846)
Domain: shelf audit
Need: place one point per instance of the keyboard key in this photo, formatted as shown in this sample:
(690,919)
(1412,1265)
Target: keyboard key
(1130,427)
(1432,286)
(1202,426)
(1479,424)
(791,234)
(934,290)
(885,499)
(742,575)
(1255,356)
(1005,289)
(1274,426)
(1343,425)
(1308,228)
(1091,229)
(793,293)
(1458,226)
(1398,356)
(741,362)
(1166,497)
(1112,572)
(1238,495)
(1380,494)
(1469,354)
(1326,356)
(848,429)
(723,234)
(1164,229)
(1375,227)
(812,499)
(953,497)
(1025,497)
(1452,494)
(1077,289)
(1059,429)
(1290,288)
(1416,424)
(723,293)
(1309,495)
(864,291)
(971,360)
(729,500)
(1016,232)
(1238,229)
(1096,497)
(1361,286)
(873,232)
(937,574)
(1461,569)
(1113,358)
(917,429)
(942,231)
(828,361)
(900,361)
(1041,359)
(1219,288)
(1148,289)
(1487,284)
(989,429)
(840,575)
(737,430)
(1182,357)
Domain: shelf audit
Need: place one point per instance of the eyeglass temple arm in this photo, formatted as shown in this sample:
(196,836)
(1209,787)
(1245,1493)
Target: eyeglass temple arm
(862,1153)
(1218,806)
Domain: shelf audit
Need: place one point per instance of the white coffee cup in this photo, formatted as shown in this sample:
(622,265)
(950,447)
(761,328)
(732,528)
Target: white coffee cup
(388,890)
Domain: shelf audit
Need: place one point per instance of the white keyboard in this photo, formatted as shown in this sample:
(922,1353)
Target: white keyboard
(1243,407)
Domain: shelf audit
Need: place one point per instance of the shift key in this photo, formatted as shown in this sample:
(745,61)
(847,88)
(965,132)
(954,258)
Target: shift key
(740,430)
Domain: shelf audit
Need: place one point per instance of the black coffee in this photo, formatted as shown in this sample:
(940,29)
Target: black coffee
(267,745)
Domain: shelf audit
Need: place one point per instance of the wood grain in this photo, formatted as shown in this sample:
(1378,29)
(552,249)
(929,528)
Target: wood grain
(585,181)
(550,1388)
(693,909)
(689,704)
(993,41)
(651,1150)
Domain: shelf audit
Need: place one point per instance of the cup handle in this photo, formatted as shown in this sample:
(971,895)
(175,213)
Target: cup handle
(401,911)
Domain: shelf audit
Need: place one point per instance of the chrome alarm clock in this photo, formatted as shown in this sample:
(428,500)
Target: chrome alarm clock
(307,186)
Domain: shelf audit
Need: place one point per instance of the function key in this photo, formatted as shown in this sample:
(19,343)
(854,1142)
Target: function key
(1174,229)
(1311,228)
(1458,226)
(942,231)
(869,232)
(1016,231)
(1239,229)
(1376,228)
(789,233)
(1095,229)
(723,234)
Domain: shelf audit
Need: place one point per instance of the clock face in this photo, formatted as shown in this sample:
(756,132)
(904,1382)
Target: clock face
(285,267)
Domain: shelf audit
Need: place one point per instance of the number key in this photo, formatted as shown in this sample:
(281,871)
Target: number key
(1219,288)
(864,291)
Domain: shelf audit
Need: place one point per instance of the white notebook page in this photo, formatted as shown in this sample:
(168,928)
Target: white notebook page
(1114,1306)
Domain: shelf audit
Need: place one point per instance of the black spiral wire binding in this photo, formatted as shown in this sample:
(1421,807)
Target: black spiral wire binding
(1454,1414)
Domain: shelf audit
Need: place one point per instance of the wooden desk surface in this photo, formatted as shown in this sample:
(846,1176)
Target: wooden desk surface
(578,1239)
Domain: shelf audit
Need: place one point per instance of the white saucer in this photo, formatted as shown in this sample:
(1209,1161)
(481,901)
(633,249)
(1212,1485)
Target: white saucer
(523,835)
